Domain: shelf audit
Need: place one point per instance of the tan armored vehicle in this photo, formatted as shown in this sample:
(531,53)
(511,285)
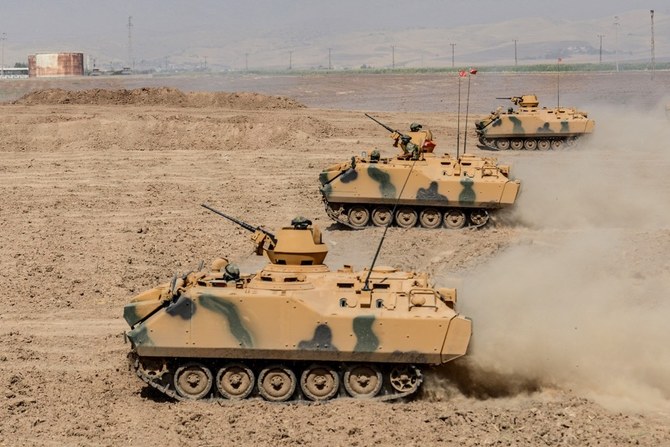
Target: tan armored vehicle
(295,329)
(531,127)
(424,189)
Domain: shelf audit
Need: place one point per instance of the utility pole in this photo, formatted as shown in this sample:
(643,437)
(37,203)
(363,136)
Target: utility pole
(330,66)
(600,57)
(3,37)
(290,60)
(453,45)
(653,50)
(131,63)
(616,42)
(515,58)
(393,57)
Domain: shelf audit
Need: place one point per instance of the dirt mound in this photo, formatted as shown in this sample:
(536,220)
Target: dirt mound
(163,96)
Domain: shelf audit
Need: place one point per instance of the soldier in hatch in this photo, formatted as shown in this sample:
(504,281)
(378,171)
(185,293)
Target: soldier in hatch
(421,137)
(409,149)
(227,270)
(415,143)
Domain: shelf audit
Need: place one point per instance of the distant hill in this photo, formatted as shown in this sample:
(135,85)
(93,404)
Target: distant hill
(539,40)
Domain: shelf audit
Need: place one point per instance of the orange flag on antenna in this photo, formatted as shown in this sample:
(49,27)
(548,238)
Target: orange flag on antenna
(462,73)
(473,71)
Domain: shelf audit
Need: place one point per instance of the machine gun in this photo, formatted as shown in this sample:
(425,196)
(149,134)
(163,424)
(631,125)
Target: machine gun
(396,134)
(523,100)
(515,99)
(387,127)
(244,225)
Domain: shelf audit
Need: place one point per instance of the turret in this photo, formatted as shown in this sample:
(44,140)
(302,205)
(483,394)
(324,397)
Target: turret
(299,244)
(526,101)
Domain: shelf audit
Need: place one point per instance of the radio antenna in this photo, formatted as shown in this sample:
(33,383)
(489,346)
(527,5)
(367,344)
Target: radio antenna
(461,74)
(366,286)
(472,71)
(558,83)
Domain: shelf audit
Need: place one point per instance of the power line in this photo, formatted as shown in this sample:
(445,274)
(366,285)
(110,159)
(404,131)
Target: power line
(616,42)
(653,50)
(600,57)
(131,63)
(3,37)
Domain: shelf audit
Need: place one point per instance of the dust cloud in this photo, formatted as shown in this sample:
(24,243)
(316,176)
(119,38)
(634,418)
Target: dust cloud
(617,177)
(581,302)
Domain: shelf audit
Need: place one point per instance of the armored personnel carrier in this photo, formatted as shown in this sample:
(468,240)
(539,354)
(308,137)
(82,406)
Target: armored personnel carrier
(416,187)
(295,329)
(530,127)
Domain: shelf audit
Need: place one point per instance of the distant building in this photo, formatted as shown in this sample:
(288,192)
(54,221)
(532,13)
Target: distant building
(14,72)
(55,65)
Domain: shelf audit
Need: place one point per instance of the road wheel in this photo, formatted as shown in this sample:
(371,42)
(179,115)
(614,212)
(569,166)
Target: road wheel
(276,383)
(556,144)
(319,382)
(406,217)
(454,219)
(430,218)
(530,144)
(381,216)
(502,144)
(193,381)
(516,144)
(359,216)
(362,381)
(235,381)
(543,145)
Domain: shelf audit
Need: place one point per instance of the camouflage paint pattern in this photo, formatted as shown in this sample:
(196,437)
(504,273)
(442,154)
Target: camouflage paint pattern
(300,312)
(469,181)
(386,188)
(366,340)
(531,121)
(229,311)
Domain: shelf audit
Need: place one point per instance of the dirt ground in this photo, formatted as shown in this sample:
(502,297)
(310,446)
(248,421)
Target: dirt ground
(101,200)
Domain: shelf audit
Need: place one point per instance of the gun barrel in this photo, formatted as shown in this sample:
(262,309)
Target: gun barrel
(380,123)
(244,225)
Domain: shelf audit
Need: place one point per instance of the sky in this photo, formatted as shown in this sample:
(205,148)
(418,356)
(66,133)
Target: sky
(30,19)
(36,26)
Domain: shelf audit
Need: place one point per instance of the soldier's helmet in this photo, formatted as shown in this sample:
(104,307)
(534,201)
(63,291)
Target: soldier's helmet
(375,155)
(406,139)
(300,223)
(232,272)
(415,127)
